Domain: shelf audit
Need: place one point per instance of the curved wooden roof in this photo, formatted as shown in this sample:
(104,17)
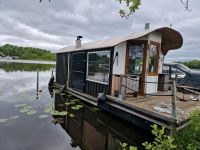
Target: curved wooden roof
(171,39)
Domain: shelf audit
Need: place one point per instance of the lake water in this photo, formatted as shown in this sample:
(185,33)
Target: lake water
(54,122)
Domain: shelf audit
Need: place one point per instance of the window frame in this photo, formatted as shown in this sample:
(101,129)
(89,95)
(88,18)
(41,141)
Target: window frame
(157,58)
(106,83)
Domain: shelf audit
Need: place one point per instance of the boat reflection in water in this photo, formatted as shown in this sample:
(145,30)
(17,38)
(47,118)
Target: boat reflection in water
(93,129)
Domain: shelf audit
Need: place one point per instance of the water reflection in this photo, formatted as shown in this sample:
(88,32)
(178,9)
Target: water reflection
(92,129)
(84,127)
(16,78)
(11,67)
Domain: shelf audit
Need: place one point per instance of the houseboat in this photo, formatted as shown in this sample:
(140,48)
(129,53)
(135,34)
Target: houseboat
(123,75)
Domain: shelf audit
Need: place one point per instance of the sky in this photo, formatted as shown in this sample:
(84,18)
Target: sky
(56,24)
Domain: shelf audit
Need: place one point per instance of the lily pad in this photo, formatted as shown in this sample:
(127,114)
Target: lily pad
(27,107)
(80,106)
(72,103)
(3,120)
(20,105)
(95,109)
(72,115)
(74,100)
(75,108)
(67,103)
(24,110)
(43,116)
(63,113)
(48,109)
(13,117)
(32,112)
(61,105)
(55,113)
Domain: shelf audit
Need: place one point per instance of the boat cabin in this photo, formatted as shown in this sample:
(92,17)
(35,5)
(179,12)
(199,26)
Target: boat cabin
(121,67)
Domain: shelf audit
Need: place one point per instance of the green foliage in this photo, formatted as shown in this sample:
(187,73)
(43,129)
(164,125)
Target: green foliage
(161,141)
(132,5)
(125,146)
(194,64)
(28,53)
(189,137)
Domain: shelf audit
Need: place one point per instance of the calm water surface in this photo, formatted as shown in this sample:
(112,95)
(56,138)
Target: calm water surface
(81,127)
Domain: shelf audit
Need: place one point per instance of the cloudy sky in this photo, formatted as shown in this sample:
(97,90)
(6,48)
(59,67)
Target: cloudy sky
(56,24)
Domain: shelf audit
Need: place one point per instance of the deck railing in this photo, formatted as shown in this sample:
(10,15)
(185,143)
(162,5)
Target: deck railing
(124,85)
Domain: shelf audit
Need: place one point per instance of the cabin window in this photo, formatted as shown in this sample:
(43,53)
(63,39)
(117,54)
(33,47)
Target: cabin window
(98,66)
(136,59)
(153,59)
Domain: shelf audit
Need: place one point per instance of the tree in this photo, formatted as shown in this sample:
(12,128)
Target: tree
(133,5)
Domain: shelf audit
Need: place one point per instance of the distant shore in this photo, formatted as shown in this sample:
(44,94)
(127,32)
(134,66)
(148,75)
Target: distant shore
(28,61)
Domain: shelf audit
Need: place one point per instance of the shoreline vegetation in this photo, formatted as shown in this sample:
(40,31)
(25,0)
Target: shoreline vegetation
(187,138)
(193,64)
(26,53)
(30,53)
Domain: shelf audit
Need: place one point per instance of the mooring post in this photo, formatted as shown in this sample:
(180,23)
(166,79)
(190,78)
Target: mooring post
(37,86)
(173,90)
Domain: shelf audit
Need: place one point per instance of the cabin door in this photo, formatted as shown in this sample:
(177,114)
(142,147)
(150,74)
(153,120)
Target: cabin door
(78,71)
(153,66)
(135,64)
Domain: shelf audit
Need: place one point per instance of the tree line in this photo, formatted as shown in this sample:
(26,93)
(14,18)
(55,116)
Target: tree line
(194,64)
(28,53)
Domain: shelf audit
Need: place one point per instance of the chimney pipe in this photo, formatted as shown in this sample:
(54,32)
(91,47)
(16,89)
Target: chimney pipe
(78,42)
(147,26)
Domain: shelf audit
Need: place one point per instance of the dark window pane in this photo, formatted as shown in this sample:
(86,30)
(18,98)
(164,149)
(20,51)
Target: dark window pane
(98,66)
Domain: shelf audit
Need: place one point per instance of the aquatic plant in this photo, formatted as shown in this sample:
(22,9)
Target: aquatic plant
(74,100)
(48,109)
(71,115)
(43,116)
(63,113)
(31,112)
(3,120)
(76,107)
(69,103)
(13,117)
(95,109)
(24,110)
(20,105)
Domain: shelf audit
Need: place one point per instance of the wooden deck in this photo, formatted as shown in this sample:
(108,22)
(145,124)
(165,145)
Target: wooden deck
(144,111)
(161,105)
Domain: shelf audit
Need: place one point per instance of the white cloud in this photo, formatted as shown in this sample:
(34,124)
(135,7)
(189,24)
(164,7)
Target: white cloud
(56,24)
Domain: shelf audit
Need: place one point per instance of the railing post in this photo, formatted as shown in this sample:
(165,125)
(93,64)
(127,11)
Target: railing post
(120,87)
(173,90)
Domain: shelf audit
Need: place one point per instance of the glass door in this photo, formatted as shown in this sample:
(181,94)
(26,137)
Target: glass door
(136,53)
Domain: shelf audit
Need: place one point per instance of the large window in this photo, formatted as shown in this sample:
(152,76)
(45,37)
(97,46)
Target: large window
(153,59)
(136,59)
(98,66)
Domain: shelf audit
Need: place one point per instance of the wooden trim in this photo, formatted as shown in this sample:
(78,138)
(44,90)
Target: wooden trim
(142,84)
(126,58)
(158,45)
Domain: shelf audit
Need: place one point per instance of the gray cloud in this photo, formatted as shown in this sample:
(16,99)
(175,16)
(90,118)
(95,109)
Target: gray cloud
(56,24)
